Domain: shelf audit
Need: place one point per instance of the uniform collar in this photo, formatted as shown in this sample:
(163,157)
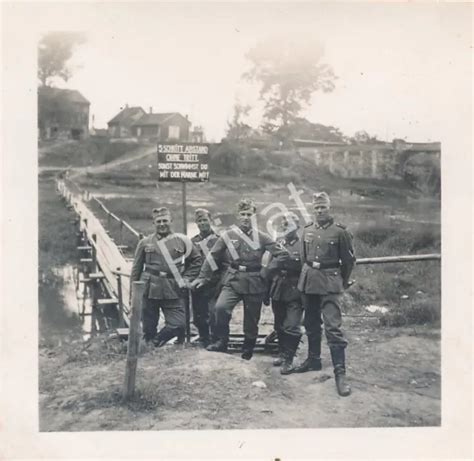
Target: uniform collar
(248,232)
(328,223)
(203,237)
(159,237)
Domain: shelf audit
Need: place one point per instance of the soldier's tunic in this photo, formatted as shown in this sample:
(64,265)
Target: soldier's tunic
(242,280)
(204,298)
(161,291)
(330,245)
(286,298)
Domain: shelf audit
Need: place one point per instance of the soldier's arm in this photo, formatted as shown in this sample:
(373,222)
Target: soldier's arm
(193,263)
(279,253)
(138,261)
(346,254)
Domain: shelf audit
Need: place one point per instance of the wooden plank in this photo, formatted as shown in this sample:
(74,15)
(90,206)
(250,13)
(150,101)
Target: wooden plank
(106,301)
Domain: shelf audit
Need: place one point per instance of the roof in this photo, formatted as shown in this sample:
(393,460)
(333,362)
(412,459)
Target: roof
(157,119)
(419,146)
(127,116)
(316,142)
(62,94)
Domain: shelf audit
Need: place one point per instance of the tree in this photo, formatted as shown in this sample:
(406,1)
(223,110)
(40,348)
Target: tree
(302,128)
(362,137)
(236,129)
(55,49)
(289,73)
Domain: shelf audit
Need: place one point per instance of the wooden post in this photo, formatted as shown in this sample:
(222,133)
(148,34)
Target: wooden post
(94,253)
(120,298)
(185,219)
(138,289)
(188,307)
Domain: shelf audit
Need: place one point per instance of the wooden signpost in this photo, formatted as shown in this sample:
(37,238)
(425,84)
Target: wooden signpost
(183,162)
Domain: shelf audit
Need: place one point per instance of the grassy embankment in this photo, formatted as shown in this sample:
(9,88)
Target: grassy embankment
(386,217)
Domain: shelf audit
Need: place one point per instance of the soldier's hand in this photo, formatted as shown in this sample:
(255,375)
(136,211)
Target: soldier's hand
(184,283)
(197,283)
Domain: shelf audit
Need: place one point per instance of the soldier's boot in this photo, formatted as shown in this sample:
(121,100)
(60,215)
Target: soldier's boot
(291,344)
(338,360)
(165,334)
(204,339)
(220,345)
(247,348)
(281,355)
(313,361)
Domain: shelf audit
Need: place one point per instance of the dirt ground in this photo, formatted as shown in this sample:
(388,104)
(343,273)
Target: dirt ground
(394,374)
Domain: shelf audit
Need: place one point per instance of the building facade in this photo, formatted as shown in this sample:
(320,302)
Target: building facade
(62,114)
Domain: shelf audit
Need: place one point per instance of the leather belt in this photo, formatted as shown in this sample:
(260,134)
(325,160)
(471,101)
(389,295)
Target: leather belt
(242,268)
(328,264)
(287,273)
(158,273)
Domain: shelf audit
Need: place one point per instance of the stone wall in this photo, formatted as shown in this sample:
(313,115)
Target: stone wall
(381,161)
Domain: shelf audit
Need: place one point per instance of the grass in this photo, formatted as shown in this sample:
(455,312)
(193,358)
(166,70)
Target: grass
(92,151)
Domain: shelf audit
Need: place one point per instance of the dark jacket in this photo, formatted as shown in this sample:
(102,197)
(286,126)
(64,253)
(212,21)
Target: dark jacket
(284,276)
(331,246)
(151,266)
(243,253)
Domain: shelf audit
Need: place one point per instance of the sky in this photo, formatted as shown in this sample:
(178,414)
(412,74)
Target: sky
(394,62)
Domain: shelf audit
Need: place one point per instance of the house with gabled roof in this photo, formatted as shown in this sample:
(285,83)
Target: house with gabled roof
(168,126)
(136,123)
(121,125)
(62,114)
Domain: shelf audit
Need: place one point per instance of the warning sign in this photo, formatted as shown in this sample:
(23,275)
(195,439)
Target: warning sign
(183,162)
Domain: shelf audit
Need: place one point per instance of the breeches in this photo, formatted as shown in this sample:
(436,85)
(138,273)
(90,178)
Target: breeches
(225,304)
(324,309)
(288,316)
(173,312)
(204,310)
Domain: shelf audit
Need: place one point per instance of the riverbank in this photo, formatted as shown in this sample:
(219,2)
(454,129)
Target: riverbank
(190,388)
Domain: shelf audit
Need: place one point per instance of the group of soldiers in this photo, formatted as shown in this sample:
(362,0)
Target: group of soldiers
(303,280)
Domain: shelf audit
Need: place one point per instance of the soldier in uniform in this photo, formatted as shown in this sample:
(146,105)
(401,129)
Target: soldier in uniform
(204,298)
(243,248)
(328,258)
(286,299)
(156,256)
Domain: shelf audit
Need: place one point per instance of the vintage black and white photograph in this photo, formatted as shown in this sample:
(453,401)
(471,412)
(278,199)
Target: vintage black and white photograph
(239,214)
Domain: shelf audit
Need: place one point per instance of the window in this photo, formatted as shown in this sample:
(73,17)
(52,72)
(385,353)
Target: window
(173,132)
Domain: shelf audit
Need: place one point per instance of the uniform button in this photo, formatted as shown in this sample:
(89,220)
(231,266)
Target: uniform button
(317,257)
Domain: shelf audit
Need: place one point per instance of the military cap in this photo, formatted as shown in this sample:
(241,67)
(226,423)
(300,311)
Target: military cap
(291,216)
(202,213)
(321,198)
(246,204)
(161,211)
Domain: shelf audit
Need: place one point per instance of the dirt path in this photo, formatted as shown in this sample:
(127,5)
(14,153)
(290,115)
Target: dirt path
(394,374)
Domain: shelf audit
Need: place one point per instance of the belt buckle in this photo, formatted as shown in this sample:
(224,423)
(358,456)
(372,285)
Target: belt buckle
(242,268)
(315,265)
